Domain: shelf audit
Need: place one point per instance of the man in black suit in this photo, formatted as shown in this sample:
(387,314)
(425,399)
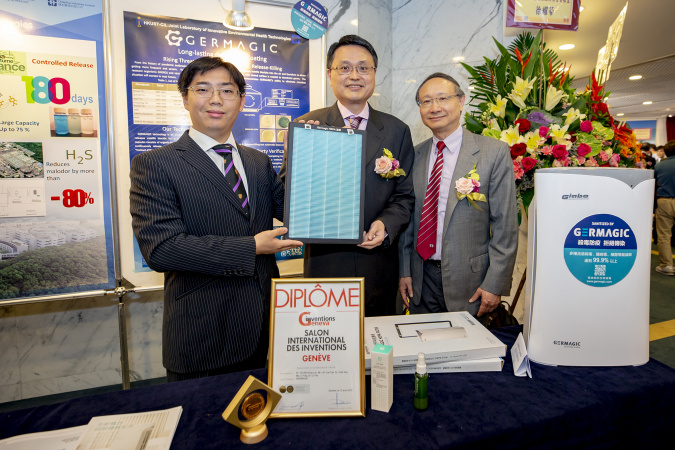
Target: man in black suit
(202,210)
(351,68)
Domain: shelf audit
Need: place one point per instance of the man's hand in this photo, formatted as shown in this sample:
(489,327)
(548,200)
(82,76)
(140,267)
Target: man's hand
(311,122)
(266,242)
(405,288)
(374,237)
(488,301)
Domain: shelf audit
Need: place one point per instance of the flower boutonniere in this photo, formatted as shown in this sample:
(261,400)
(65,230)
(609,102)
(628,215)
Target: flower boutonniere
(387,166)
(469,186)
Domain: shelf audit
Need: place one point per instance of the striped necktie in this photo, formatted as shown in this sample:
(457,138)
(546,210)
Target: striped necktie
(355,121)
(426,238)
(232,174)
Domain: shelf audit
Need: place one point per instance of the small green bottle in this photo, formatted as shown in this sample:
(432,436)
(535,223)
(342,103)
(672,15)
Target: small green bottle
(421,400)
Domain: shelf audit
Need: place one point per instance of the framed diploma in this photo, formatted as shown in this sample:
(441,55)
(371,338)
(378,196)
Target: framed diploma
(317,359)
(325,187)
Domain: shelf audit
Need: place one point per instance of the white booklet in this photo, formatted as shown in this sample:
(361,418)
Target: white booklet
(151,430)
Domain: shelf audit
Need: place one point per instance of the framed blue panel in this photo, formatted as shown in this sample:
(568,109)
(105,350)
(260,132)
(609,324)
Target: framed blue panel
(325,184)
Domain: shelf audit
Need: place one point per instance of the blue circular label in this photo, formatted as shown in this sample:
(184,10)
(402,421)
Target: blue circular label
(600,250)
(310,19)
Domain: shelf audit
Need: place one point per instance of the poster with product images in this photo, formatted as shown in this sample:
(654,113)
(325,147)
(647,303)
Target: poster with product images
(316,348)
(55,221)
(275,65)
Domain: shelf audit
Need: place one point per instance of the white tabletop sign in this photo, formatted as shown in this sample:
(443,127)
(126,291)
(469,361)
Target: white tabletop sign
(316,351)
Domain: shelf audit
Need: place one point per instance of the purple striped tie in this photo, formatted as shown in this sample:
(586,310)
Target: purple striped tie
(426,237)
(232,174)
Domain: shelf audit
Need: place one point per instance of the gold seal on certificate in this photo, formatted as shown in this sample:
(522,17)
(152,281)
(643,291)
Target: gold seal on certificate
(250,408)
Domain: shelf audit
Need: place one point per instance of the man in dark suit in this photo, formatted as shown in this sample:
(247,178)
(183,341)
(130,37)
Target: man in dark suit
(456,252)
(351,68)
(202,210)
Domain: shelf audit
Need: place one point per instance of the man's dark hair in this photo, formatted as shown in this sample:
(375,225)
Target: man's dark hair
(669,149)
(442,75)
(350,39)
(205,64)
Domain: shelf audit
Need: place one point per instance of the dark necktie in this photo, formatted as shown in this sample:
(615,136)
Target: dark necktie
(355,121)
(426,237)
(232,174)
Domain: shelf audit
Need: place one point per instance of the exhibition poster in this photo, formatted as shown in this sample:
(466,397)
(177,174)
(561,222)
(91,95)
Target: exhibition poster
(55,221)
(316,356)
(275,64)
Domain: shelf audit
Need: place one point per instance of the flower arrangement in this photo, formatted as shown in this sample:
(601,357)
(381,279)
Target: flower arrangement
(525,98)
(469,187)
(387,166)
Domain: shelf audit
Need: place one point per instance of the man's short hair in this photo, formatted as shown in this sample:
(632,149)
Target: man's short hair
(442,75)
(669,148)
(350,39)
(205,64)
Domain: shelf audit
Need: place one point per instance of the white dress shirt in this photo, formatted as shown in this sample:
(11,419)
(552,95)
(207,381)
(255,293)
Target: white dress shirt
(450,154)
(347,113)
(207,143)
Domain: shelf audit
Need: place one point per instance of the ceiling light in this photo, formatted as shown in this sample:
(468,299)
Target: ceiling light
(566,47)
(411,81)
(620,114)
(458,58)
(238,19)
(647,103)
(471,88)
(581,8)
(670,115)
(355,22)
(635,77)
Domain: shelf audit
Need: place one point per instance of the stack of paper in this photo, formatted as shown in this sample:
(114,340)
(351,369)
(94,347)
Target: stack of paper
(451,342)
(151,430)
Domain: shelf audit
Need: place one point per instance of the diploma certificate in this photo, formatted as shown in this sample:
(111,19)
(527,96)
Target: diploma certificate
(317,359)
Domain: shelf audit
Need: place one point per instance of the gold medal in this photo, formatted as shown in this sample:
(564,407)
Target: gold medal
(252,406)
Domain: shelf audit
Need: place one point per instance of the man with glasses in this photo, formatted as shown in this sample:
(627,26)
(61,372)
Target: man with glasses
(202,210)
(351,69)
(460,246)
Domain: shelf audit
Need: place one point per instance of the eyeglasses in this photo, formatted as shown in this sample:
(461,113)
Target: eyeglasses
(442,101)
(207,91)
(346,69)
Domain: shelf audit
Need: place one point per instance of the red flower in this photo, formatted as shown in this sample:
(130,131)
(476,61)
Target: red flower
(523,125)
(586,126)
(528,163)
(518,150)
(583,150)
(559,152)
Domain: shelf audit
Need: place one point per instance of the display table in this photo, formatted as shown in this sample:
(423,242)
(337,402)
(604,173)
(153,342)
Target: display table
(560,407)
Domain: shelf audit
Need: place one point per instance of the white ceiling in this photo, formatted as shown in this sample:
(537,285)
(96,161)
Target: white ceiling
(647,48)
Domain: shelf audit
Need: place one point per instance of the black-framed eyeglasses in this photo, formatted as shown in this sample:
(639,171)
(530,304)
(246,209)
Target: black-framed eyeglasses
(346,69)
(225,93)
(442,101)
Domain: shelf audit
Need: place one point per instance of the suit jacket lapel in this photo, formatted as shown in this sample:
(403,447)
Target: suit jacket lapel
(197,158)
(374,135)
(465,160)
(421,172)
(251,177)
(334,118)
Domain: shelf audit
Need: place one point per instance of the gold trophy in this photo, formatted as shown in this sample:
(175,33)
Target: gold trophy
(250,409)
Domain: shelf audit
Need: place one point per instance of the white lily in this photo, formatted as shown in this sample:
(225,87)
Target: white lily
(559,134)
(494,124)
(511,136)
(521,89)
(553,97)
(532,140)
(573,114)
(499,107)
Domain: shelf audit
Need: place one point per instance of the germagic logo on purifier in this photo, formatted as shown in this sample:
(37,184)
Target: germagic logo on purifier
(568,344)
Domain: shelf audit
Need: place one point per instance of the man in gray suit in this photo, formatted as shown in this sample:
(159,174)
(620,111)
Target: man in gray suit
(351,66)
(460,245)
(202,210)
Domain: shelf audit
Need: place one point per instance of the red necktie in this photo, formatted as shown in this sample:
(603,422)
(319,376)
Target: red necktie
(355,121)
(426,238)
